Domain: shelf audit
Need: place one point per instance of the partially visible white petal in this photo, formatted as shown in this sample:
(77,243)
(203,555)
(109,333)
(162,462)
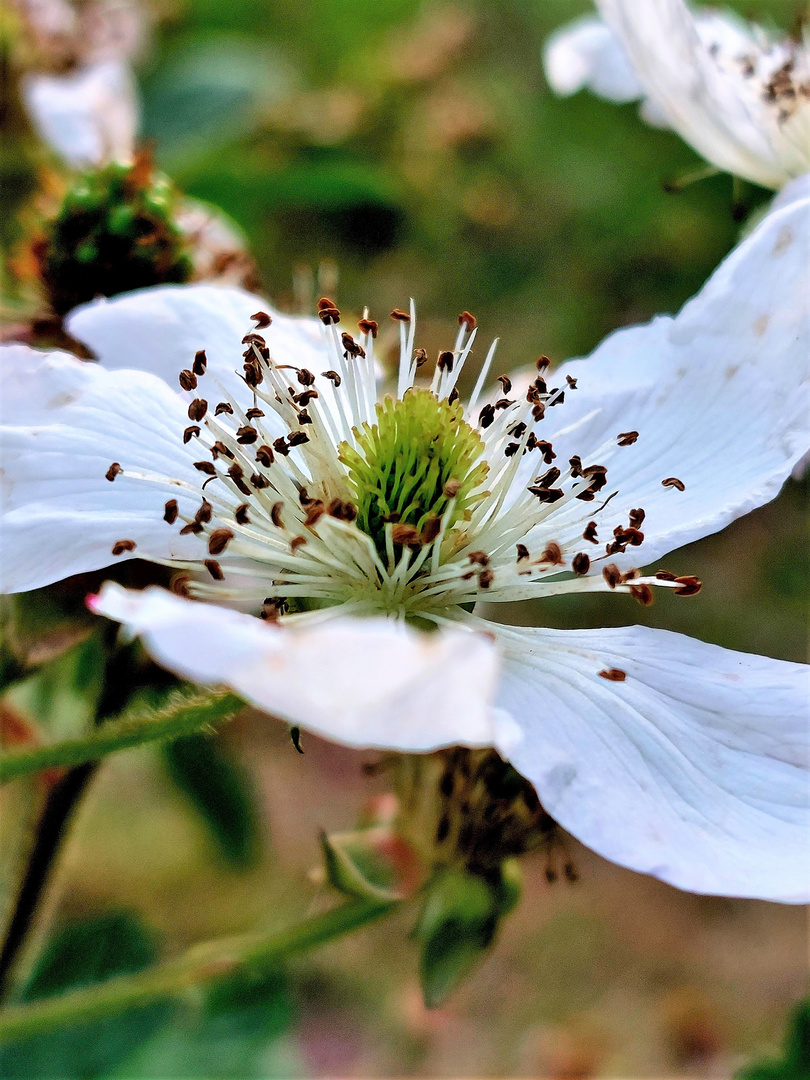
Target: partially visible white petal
(89,116)
(720,395)
(695,769)
(160,329)
(585,53)
(63,424)
(366,683)
(718,112)
(794,191)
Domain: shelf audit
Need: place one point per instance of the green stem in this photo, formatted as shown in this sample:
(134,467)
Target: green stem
(201,964)
(180,717)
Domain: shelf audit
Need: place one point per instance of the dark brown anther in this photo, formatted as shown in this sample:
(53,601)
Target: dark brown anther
(280,447)
(254,414)
(219,540)
(214,569)
(304,417)
(254,375)
(303,399)
(590,533)
(479,557)
(506,383)
(259,482)
(241,514)
(329,315)
(315,511)
(188,380)
(420,357)
(296,542)
(343,511)
(468,320)
(265,456)
(642,593)
(452,397)
(275,515)
(204,514)
(522,552)
(200,362)
(575,464)
(219,449)
(486,416)
(548,478)
(305,377)
(246,435)
(485,579)
(170,512)
(333,377)
(350,345)
(407,535)
(253,339)
(585,496)
(297,438)
(503,403)
(637,518)
(511,449)
(179,584)
(538,412)
(612,575)
(432,528)
(627,438)
(674,482)
(191,432)
(613,674)
(581,563)
(445,362)
(325,303)
(121,546)
(542,363)
(664,575)
(262,320)
(206,467)
(689,586)
(546,450)
(304,497)
(398,315)
(192,527)
(272,610)
(517,431)
(553,554)
(451,488)
(223,407)
(368,326)
(197,409)
(572,383)
(628,536)
(237,473)
(113,471)
(547,495)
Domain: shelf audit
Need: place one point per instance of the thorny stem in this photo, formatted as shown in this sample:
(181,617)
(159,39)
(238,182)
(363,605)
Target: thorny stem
(200,965)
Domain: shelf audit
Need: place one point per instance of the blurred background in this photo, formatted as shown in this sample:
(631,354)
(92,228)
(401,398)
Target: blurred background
(381,151)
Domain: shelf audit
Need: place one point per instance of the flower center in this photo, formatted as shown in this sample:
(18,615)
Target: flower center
(421,462)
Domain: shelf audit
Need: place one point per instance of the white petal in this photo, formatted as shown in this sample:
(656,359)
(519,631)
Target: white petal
(719,394)
(718,112)
(585,53)
(694,769)
(161,328)
(89,116)
(63,424)
(366,683)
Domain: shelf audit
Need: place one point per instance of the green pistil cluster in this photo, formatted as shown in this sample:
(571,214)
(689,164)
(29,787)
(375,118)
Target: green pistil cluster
(408,467)
(115,231)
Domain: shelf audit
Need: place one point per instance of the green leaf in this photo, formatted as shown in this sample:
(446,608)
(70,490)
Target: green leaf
(795,1065)
(457,925)
(222,794)
(83,953)
(237,1033)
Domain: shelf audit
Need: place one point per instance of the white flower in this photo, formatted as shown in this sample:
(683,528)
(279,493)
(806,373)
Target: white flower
(739,97)
(670,756)
(81,95)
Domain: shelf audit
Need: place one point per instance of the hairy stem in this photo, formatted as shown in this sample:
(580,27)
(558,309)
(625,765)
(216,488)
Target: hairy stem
(200,965)
(183,716)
